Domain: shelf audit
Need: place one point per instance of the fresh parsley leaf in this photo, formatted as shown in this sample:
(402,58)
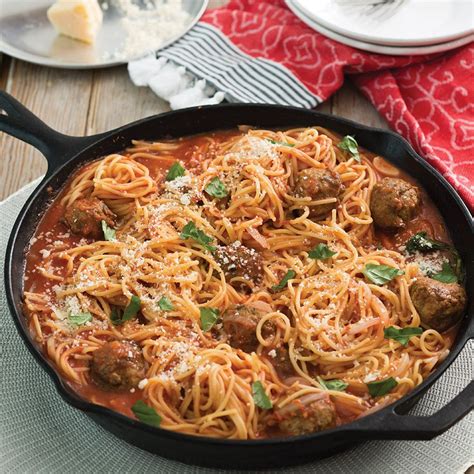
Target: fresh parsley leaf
(260,397)
(165,304)
(216,188)
(281,143)
(422,243)
(321,252)
(117,317)
(109,233)
(446,275)
(378,389)
(402,335)
(80,318)
(208,318)
(175,171)
(381,274)
(190,231)
(146,413)
(349,144)
(284,281)
(336,384)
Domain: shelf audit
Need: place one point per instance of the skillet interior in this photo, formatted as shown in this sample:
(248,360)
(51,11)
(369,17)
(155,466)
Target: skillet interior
(263,453)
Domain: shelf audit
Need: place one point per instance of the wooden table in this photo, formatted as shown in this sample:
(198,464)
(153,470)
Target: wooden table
(88,102)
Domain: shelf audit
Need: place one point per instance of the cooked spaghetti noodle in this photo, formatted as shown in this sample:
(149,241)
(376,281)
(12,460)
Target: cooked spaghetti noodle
(327,315)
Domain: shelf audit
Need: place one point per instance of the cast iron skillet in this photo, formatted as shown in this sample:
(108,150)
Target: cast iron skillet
(65,154)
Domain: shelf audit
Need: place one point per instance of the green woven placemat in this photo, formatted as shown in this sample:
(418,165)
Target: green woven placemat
(39,432)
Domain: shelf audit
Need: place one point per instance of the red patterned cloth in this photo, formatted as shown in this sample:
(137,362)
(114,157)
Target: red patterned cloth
(427,99)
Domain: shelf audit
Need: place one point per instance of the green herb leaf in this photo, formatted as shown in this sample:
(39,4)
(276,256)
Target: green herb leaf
(284,281)
(116,315)
(422,243)
(381,274)
(109,233)
(216,188)
(378,389)
(165,304)
(190,231)
(321,252)
(349,144)
(146,413)
(281,143)
(402,335)
(175,171)
(208,317)
(336,384)
(260,397)
(446,275)
(80,318)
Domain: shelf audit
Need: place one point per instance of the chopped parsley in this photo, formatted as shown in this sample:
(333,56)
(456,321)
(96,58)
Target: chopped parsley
(208,318)
(378,389)
(80,318)
(260,397)
(284,281)
(216,188)
(165,304)
(402,335)
(175,171)
(349,145)
(446,275)
(321,252)
(146,413)
(109,233)
(336,384)
(190,231)
(381,274)
(281,143)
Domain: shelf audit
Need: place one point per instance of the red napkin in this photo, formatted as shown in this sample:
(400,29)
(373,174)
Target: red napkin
(427,99)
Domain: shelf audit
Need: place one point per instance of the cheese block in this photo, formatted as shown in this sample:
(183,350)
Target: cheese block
(79,19)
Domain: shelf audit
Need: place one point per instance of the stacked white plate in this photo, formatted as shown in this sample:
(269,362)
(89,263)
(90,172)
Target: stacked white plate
(395,27)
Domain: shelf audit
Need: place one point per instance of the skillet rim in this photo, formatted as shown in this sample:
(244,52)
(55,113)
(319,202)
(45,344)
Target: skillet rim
(88,407)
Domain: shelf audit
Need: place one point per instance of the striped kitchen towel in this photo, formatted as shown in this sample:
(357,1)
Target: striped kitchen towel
(260,52)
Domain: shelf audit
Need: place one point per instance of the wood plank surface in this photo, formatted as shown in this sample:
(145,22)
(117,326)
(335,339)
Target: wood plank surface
(87,102)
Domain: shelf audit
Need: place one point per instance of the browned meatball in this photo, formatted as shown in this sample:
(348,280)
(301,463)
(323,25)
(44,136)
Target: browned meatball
(280,359)
(440,305)
(240,265)
(118,365)
(303,418)
(84,217)
(319,184)
(394,202)
(240,323)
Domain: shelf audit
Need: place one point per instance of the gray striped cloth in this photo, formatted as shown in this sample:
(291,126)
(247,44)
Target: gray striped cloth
(206,53)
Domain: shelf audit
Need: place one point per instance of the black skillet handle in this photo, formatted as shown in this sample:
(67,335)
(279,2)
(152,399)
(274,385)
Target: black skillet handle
(390,425)
(24,125)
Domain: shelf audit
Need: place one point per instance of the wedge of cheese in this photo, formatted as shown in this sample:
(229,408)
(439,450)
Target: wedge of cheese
(79,19)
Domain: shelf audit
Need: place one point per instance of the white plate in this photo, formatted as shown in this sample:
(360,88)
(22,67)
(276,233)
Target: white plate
(394,22)
(27,34)
(380,49)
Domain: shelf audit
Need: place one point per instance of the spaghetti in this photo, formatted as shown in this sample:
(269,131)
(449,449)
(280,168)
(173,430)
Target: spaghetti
(320,348)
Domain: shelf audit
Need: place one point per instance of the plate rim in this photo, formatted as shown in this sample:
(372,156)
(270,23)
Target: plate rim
(377,48)
(22,55)
(392,42)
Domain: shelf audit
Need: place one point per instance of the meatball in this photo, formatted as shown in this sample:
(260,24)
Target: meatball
(84,217)
(280,359)
(118,365)
(240,323)
(394,202)
(440,305)
(238,261)
(303,418)
(319,184)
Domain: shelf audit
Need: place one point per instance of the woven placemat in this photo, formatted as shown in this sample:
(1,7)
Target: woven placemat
(39,432)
